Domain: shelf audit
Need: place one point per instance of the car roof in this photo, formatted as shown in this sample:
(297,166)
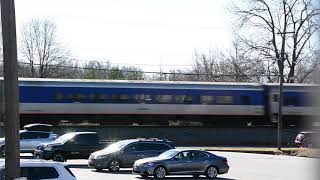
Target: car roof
(35,131)
(156,140)
(76,133)
(309,132)
(33,162)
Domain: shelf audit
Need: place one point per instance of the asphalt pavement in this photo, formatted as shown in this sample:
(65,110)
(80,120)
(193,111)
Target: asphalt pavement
(243,166)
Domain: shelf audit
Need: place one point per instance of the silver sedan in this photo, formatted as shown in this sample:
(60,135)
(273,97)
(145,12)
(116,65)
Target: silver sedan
(182,162)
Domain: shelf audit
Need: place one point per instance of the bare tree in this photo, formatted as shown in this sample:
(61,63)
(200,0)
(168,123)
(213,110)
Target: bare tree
(281,31)
(42,55)
(234,66)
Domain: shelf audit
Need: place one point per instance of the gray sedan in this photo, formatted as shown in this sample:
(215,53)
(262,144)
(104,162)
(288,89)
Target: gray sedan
(182,162)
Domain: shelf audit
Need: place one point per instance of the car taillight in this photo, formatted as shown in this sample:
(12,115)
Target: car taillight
(225,160)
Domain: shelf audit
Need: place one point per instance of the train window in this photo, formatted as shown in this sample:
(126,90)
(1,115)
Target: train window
(246,100)
(206,99)
(290,101)
(275,97)
(163,98)
(70,96)
(92,96)
(120,97)
(224,100)
(59,96)
(98,97)
(142,98)
(183,99)
(80,96)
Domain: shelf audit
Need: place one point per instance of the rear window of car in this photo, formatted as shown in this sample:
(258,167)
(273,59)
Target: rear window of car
(39,173)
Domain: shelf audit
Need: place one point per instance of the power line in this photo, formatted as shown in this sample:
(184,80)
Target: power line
(134,64)
(112,69)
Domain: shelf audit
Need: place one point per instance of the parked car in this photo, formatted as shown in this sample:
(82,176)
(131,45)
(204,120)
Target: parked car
(31,169)
(182,162)
(29,140)
(123,154)
(76,145)
(308,139)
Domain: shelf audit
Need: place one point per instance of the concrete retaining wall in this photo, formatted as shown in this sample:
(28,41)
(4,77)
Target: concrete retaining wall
(188,136)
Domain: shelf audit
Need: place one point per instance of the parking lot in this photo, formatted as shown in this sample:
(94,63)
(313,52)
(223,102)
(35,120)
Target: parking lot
(242,167)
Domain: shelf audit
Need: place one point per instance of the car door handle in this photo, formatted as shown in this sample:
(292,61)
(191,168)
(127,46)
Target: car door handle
(188,161)
(140,155)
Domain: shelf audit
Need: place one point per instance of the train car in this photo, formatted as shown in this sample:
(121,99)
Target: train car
(297,108)
(116,102)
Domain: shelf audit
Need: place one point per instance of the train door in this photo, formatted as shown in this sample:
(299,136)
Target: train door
(274,105)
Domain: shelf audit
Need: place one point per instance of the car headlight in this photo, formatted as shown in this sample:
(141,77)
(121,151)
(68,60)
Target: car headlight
(101,157)
(149,164)
(48,148)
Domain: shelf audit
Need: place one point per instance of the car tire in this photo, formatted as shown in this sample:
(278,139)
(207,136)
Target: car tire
(114,165)
(58,157)
(159,172)
(2,151)
(212,172)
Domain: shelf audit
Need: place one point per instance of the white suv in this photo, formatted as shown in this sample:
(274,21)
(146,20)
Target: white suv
(40,169)
(29,140)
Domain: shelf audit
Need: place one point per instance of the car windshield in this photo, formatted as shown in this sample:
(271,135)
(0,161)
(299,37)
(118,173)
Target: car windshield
(168,154)
(115,146)
(64,138)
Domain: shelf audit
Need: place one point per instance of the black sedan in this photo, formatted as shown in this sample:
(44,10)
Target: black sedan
(182,162)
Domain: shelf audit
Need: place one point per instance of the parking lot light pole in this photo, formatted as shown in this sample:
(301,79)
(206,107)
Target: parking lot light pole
(11,94)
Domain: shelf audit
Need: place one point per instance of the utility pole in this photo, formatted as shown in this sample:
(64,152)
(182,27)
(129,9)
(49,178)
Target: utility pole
(11,94)
(280,106)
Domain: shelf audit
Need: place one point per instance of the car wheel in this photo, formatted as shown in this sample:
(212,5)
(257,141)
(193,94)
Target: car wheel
(2,151)
(212,172)
(58,157)
(196,175)
(114,165)
(159,172)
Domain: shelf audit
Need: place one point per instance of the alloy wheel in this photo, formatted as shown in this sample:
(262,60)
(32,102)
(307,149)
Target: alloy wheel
(160,172)
(212,172)
(114,166)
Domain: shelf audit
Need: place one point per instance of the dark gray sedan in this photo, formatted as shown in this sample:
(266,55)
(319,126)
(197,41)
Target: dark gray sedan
(182,162)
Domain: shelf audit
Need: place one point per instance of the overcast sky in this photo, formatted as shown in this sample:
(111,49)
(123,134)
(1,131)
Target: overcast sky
(134,31)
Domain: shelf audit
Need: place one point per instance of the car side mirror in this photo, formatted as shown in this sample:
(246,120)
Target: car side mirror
(176,159)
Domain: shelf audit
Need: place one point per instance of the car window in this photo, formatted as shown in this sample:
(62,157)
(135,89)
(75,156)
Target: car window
(36,173)
(86,139)
(29,135)
(184,155)
(42,135)
(200,155)
(132,147)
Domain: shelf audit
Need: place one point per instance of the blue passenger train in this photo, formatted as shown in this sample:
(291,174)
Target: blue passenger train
(157,102)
